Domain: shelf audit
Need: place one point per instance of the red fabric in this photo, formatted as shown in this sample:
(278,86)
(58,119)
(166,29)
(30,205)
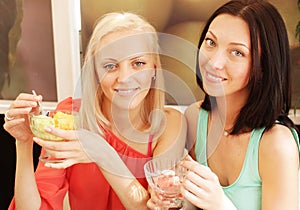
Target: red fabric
(85,183)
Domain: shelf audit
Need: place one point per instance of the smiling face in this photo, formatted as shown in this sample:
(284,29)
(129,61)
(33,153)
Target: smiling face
(225,57)
(125,67)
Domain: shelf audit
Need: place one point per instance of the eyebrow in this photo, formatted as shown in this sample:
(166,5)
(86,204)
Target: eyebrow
(111,59)
(138,55)
(234,43)
(108,59)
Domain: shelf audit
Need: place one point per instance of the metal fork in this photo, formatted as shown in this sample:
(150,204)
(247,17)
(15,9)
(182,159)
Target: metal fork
(42,112)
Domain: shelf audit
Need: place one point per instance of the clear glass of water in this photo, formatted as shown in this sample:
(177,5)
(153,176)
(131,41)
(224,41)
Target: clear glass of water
(165,176)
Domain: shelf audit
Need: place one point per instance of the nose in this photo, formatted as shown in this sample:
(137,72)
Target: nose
(217,60)
(125,71)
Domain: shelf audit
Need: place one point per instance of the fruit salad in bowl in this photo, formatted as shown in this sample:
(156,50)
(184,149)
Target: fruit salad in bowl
(58,119)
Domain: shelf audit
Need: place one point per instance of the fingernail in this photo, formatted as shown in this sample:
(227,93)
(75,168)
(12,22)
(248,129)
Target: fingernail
(48,129)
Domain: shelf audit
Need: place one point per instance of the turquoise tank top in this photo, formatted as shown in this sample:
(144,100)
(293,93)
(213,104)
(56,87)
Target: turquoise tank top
(245,192)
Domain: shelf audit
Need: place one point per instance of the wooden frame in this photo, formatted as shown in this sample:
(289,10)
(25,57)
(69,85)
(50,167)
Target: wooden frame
(66,33)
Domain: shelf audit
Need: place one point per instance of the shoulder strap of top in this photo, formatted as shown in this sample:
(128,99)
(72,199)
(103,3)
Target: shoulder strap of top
(255,141)
(251,159)
(150,140)
(295,134)
(200,145)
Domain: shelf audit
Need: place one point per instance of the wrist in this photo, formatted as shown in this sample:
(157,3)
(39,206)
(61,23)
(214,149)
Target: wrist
(24,146)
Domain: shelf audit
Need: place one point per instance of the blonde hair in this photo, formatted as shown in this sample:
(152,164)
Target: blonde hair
(91,113)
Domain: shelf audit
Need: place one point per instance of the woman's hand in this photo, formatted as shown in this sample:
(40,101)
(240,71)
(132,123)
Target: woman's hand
(201,187)
(16,119)
(70,151)
(156,201)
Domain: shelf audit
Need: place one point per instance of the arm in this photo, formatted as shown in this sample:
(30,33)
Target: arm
(201,178)
(26,182)
(170,143)
(202,188)
(19,128)
(173,140)
(87,147)
(192,114)
(93,148)
(279,168)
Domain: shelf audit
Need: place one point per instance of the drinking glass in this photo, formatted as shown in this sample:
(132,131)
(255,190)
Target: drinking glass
(61,119)
(165,176)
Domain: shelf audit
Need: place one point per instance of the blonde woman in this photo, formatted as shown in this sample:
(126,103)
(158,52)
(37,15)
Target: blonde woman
(123,124)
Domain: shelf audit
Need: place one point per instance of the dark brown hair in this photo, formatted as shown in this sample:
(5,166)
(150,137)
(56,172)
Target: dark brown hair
(269,83)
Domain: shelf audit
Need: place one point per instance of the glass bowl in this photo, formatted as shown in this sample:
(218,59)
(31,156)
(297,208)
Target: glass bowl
(58,119)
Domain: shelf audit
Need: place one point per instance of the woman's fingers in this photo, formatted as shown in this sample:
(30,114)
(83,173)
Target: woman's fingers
(25,100)
(156,201)
(20,107)
(194,187)
(66,134)
(188,158)
(197,168)
(67,152)
(199,181)
(61,164)
(28,97)
(12,123)
(151,204)
(192,198)
(16,113)
(58,145)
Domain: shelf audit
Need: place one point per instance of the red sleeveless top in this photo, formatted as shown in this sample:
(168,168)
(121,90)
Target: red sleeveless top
(85,183)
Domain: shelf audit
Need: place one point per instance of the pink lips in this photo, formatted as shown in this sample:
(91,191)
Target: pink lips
(126,91)
(214,78)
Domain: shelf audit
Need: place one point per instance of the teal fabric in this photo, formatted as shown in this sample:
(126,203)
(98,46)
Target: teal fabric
(245,192)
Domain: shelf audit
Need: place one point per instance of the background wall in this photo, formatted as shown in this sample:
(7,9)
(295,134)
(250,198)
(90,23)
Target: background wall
(185,19)
(27,54)
(29,50)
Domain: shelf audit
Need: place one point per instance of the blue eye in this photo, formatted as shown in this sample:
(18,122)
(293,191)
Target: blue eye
(237,53)
(209,42)
(110,66)
(139,63)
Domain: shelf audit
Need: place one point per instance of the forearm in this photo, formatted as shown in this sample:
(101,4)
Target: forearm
(130,192)
(26,192)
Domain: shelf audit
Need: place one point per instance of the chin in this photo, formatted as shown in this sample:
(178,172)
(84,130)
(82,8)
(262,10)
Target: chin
(215,92)
(128,105)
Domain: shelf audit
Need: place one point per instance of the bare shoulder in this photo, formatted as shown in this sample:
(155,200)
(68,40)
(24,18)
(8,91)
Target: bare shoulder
(192,110)
(278,149)
(278,140)
(172,140)
(172,113)
(191,114)
(175,120)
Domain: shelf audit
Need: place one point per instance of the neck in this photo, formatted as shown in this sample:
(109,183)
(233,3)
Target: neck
(125,123)
(227,110)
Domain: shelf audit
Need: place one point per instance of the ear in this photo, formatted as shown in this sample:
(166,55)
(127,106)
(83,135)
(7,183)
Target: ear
(154,76)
